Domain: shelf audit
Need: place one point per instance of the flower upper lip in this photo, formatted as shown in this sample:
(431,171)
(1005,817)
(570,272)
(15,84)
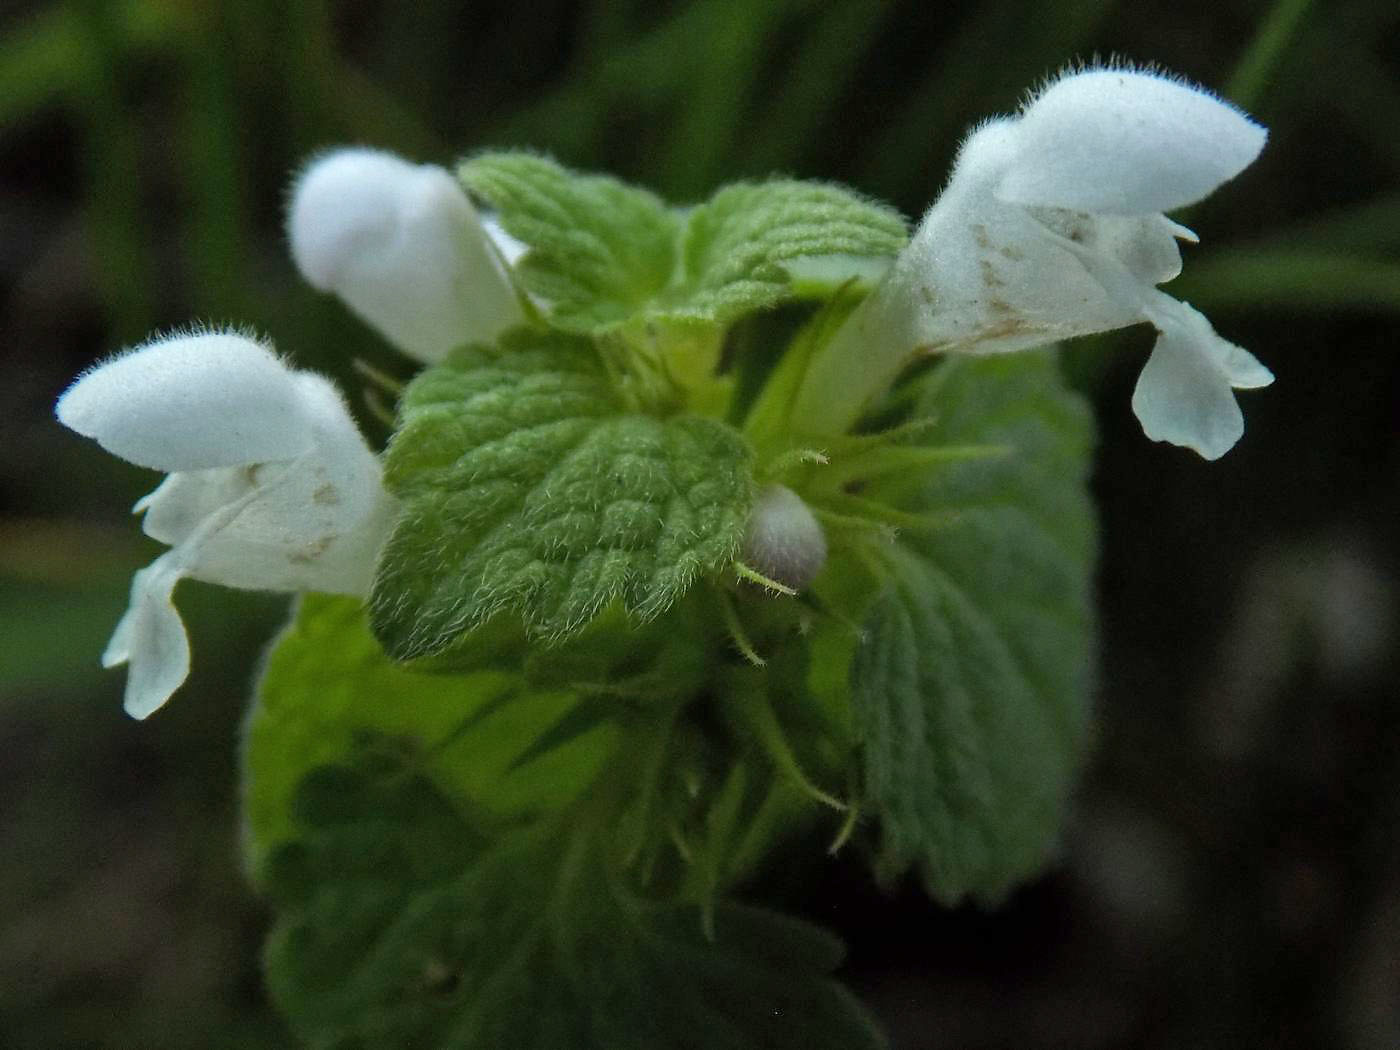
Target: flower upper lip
(1123,142)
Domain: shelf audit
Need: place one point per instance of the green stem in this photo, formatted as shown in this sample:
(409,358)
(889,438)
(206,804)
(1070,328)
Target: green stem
(859,363)
(848,826)
(738,635)
(655,747)
(745,572)
(753,711)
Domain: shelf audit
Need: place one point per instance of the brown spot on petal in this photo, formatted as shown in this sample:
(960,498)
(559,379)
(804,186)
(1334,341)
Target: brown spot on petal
(310,552)
(1011,326)
(326,495)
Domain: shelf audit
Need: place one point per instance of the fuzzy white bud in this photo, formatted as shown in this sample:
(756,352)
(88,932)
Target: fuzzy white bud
(403,247)
(783,540)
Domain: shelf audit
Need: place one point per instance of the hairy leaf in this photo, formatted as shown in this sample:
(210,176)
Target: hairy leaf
(528,493)
(603,255)
(754,245)
(328,687)
(599,248)
(399,927)
(972,686)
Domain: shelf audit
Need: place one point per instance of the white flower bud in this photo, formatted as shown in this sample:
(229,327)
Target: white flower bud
(783,540)
(403,247)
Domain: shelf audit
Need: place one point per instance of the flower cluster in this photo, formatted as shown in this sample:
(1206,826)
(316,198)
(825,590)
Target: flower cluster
(1051,226)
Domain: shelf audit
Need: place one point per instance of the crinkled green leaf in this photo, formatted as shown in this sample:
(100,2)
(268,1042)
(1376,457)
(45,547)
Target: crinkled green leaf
(599,248)
(528,493)
(972,684)
(328,687)
(400,928)
(603,254)
(754,245)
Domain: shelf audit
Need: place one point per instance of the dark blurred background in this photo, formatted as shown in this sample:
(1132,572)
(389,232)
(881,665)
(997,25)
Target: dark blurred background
(1231,872)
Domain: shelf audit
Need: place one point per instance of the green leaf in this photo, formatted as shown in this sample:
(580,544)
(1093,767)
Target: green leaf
(528,494)
(328,688)
(604,255)
(400,927)
(972,684)
(754,245)
(599,248)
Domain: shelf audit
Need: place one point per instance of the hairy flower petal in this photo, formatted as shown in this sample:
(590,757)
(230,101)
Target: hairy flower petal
(189,403)
(1051,227)
(1122,142)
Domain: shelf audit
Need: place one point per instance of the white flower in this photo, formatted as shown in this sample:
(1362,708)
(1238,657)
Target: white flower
(403,247)
(270,487)
(1051,227)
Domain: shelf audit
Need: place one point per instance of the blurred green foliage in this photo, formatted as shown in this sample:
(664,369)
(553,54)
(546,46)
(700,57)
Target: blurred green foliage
(145,146)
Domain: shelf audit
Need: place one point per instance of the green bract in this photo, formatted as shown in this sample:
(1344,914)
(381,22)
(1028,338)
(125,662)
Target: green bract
(529,492)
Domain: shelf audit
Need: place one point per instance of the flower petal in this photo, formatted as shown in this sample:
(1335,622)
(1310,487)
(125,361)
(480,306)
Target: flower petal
(511,249)
(313,523)
(151,638)
(1128,143)
(185,499)
(403,248)
(1245,371)
(1144,244)
(190,403)
(1184,394)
